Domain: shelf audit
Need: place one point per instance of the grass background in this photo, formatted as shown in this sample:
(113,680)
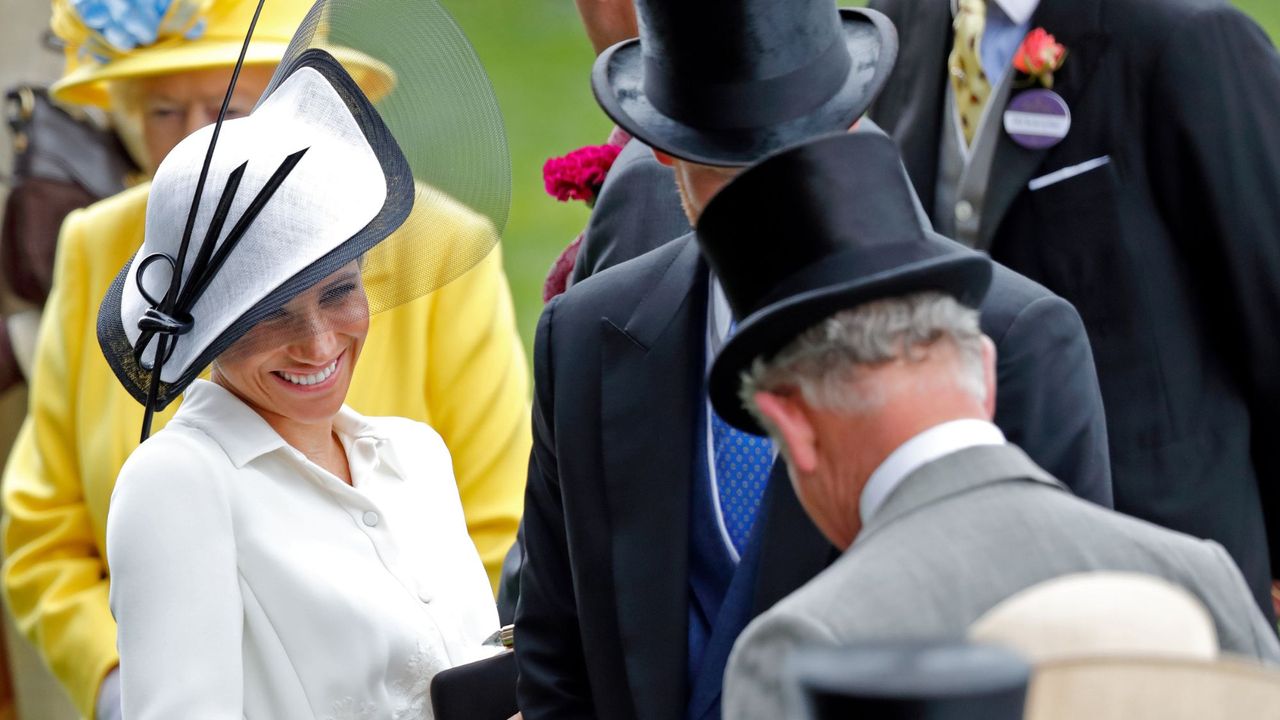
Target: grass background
(539,60)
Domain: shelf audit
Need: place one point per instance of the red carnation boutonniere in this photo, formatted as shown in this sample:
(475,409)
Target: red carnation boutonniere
(580,174)
(1039,56)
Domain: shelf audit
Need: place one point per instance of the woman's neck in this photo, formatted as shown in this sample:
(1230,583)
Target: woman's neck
(319,443)
(316,441)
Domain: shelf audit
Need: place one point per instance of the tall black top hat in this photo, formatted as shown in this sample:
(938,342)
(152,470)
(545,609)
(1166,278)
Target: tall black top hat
(726,82)
(818,229)
(939,681)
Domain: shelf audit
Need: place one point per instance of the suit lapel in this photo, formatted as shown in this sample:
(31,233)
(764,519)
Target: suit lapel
(911,106)
(793,551)
(1076,24)
(651,381)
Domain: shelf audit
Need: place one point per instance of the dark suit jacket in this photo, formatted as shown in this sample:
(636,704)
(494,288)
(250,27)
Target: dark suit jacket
(1170,252)
(618,360)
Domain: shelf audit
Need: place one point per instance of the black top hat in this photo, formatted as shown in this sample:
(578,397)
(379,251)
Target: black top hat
(726,82)
(939,681)
(812,231)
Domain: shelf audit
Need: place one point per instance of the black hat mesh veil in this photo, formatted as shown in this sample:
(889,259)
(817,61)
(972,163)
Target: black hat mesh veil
(411,83)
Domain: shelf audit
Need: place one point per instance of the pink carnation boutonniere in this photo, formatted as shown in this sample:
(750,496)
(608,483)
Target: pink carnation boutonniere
(1039,56)
(580,174)
(577,176)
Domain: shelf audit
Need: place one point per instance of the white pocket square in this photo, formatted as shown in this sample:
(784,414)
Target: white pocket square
(1067,173)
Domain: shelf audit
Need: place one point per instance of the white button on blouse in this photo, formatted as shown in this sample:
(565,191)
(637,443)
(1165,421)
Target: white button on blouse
(249,582)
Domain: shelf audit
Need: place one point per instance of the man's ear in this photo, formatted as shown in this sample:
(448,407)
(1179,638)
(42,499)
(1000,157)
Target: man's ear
(663,158)
(788,416)
(989,375)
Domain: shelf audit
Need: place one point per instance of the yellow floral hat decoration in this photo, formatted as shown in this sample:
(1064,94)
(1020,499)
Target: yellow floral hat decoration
(109,40)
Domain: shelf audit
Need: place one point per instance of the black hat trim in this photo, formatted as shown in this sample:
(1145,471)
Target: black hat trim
(965,276)
(742,105)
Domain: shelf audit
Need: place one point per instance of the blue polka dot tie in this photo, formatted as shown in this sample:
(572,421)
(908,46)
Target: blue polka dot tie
(743,462)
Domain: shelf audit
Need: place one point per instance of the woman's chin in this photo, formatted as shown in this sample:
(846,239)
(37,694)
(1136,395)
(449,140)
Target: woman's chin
(310,403)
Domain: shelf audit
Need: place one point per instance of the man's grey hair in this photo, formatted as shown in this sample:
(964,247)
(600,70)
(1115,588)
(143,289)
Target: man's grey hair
(826,360)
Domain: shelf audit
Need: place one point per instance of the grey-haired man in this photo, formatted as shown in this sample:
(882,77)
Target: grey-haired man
(865,361)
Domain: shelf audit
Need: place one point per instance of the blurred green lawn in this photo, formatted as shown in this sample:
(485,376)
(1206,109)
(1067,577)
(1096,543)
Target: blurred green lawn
(540,61)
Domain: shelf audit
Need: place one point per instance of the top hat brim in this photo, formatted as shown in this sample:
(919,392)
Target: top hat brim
(910,678)
(963,275)
(617,79)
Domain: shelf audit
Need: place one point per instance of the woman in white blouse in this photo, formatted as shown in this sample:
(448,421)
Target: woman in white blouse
(298,565)
(274,554)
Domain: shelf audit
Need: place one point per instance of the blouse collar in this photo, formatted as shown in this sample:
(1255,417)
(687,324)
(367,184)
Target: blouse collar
(243,434)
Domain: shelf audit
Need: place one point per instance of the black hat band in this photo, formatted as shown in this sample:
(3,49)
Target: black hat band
(750,103)
(848,266)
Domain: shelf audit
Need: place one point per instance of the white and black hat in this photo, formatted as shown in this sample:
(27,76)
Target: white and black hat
(316,178)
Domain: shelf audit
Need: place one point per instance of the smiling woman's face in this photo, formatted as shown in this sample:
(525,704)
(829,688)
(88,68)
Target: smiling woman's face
(294,367)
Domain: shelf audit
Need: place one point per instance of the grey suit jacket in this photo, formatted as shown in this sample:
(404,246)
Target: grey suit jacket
(958,536)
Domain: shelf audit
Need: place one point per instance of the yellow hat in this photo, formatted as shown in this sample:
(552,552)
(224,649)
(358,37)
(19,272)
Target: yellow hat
(192,35)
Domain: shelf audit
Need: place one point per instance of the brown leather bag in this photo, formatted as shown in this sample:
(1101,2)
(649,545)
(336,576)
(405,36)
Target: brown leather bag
(60,163)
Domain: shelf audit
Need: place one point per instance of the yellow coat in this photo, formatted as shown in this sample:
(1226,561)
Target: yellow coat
(451,359)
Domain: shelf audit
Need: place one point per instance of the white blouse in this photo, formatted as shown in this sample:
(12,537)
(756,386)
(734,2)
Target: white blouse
(249,582)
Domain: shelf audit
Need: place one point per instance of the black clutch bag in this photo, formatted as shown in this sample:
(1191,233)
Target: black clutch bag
(482,690)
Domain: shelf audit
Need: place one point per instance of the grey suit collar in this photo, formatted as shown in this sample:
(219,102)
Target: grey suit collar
(955,474)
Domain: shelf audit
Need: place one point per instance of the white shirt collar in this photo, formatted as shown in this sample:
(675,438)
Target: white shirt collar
(930,445)
(719,320)
(242,432)
(1019,11)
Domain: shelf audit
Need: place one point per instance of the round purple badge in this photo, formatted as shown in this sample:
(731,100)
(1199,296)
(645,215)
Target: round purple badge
(1037,119)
